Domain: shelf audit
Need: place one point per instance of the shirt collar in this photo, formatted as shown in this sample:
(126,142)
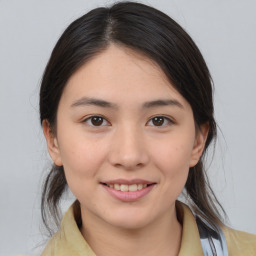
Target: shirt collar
(190,244)
(190,241)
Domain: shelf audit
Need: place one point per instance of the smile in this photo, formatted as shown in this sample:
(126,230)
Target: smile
(128,191)
(125,187)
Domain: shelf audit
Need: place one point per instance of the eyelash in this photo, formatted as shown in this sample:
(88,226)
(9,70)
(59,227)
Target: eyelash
(89,119)
(166,119)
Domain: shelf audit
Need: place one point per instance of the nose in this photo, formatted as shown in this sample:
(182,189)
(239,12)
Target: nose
(128,149)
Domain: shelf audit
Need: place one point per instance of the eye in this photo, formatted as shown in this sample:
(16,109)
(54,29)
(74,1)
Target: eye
(96,121)
(160,121)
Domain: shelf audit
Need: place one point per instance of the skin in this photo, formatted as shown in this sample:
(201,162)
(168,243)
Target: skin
(127,145)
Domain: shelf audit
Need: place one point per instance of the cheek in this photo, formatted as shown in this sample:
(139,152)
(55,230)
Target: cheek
(81,156)
(175,166)
(173,160)
(82,160)
(174,156)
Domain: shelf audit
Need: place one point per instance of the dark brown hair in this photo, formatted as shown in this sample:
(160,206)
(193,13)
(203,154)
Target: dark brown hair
(153,33)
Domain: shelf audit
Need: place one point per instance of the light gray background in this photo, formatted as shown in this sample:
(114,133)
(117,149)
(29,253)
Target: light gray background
(225,31)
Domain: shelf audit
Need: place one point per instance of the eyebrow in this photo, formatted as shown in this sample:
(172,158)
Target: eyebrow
(86,101)
(159,103)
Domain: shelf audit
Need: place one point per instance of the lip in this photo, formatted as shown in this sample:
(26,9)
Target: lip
(128,182)
(128,196)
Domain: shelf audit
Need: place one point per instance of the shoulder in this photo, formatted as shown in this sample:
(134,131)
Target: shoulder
(68,240)
(62,244)
(240,243)
(52,245)
(57,245)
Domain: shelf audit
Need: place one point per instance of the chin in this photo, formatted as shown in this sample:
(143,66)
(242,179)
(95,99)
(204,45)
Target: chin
(129,224)
(129,221)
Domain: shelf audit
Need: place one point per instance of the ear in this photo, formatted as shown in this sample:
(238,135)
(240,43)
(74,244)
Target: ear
(199,144)
(52,143)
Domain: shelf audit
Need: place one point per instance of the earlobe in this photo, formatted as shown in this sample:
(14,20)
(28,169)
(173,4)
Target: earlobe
(52,143)
(198,149)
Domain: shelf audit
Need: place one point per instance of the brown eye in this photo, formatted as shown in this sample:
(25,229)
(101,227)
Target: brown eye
(158,121)
(96,121)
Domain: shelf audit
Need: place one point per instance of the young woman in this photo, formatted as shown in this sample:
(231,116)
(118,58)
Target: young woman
(126,108)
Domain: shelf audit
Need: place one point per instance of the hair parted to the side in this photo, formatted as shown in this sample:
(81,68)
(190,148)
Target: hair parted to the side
(153,33)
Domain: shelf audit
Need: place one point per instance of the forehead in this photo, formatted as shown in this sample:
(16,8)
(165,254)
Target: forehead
(120,75)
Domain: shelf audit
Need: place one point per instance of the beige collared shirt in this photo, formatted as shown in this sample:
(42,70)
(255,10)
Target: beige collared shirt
(69,240)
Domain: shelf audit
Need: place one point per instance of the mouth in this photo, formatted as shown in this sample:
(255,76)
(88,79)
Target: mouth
(127,187)
(128,190)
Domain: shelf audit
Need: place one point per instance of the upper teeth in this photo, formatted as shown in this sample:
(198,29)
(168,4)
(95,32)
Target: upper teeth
(124,187)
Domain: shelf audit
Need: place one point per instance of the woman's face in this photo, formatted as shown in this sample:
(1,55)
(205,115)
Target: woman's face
(126,139)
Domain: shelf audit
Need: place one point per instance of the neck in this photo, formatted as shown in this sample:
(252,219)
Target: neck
(160,238)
